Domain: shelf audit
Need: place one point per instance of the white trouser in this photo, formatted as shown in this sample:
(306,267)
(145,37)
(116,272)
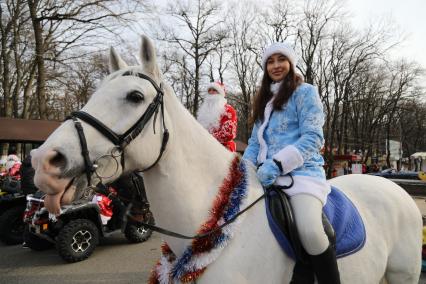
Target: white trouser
(307,211)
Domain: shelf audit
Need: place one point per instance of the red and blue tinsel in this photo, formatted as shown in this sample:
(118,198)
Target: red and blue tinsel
(195,258)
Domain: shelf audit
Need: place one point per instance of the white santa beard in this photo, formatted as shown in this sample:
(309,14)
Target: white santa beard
(211,110)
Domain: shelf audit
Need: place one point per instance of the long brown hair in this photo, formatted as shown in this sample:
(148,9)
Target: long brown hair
(289,84)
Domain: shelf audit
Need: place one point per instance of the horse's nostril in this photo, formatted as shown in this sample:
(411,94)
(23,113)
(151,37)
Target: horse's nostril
(58,161)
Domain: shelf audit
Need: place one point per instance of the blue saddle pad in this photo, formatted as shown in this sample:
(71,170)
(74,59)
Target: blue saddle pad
(345,219)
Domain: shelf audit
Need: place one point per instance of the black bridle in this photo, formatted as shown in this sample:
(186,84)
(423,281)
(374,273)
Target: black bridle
(121,141)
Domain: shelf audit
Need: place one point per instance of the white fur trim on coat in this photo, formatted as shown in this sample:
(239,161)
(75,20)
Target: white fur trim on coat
(263,148)
(290,158)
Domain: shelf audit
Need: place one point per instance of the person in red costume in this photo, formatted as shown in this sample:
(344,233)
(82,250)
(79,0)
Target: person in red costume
(14,171)
(13,164)
(218,117)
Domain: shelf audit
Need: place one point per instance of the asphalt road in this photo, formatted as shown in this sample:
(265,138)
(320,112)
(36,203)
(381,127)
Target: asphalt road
(114,261)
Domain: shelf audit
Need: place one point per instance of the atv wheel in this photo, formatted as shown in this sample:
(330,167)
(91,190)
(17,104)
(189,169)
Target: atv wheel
(34,242)
(77,240)
(12,226)
(137,233)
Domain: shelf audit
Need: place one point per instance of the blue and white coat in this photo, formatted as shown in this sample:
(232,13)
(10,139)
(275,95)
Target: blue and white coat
(294,136)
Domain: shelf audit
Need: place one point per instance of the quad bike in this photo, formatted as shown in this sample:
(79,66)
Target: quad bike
(78,229)
(15,185)
(12,207)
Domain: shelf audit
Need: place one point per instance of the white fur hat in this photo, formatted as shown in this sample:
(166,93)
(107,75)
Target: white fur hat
(283,48)
(219,87)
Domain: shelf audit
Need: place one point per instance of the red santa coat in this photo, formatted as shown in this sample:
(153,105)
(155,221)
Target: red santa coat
(14,171)
(226,131)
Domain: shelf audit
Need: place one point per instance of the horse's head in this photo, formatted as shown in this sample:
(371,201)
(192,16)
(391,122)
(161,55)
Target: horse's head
(125,112)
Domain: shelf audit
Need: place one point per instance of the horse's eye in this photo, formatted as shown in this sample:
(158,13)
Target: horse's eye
(135,96)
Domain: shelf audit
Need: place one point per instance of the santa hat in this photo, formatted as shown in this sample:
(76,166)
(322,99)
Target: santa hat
(283,48)
(219,87)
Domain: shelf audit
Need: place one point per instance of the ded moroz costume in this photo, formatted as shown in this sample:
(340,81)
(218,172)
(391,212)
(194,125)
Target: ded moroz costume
(219,117)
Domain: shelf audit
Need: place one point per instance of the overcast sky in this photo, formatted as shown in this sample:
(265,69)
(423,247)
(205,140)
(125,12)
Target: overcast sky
(408,15)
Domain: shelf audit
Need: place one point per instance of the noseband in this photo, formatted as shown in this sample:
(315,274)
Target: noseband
(121,141)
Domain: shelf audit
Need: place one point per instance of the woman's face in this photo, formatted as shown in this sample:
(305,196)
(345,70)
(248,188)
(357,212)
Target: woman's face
(277,67)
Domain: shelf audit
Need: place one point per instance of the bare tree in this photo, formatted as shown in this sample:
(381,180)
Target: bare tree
(178,72)
(10,13)
(350,56)
(47,66)
(313,28)
(402,75)
(244,65)
(79,84)
(413,121)
(60,25)
(219,61)
(279,22)
(199,34)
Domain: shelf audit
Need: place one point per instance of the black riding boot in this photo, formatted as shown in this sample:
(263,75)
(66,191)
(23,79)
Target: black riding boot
(325,267)
(302,274)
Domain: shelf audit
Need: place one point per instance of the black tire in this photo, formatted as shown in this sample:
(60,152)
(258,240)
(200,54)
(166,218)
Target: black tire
(77,240)
(12,226)
(34,242)
(136,233)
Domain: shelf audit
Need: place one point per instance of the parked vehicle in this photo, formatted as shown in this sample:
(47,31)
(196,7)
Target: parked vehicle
(12,206)
(16,184)
(394,174)
(13,190)
(77,230)
(11,225)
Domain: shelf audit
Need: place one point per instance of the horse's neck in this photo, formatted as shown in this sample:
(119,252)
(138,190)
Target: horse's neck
(182,187)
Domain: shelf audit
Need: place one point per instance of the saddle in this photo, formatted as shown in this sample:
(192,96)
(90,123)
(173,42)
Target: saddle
(342,224)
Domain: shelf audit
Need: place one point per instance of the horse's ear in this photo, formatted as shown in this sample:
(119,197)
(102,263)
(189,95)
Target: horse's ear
(148,57)
(115,61)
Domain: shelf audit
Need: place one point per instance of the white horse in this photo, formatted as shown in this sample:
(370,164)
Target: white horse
(183,184)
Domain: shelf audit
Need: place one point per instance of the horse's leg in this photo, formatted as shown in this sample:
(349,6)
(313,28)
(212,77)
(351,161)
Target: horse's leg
(404,263)
(404,260)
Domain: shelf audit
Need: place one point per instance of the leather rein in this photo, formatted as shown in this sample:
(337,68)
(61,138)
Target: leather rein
(268,190)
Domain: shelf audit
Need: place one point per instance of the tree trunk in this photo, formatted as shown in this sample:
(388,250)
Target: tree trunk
(18,70)
(7,107)
(26,113)
(330,158)
(388,163)
(196,88)
(39,51)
